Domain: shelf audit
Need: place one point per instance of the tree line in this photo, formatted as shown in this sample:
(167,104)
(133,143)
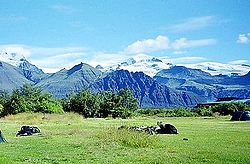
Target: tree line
(101,104)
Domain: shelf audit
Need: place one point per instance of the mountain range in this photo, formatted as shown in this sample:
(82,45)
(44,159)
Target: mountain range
(154,83)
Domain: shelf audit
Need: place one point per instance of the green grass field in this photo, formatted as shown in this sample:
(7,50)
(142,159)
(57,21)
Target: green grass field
(69,138)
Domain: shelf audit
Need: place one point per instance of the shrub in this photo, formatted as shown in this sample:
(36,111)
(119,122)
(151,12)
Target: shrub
(102,104)
(30,99)
(203,111)
(229,108)
(84,103)
(1,109)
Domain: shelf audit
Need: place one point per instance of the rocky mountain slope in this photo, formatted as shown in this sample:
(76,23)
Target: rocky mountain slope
(65,81)
(202,83)
(11,77)
(149,92)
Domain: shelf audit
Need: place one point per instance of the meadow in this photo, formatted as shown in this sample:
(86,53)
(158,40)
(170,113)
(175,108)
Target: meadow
(70,138)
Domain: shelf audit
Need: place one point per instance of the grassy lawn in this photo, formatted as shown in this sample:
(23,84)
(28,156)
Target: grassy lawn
(68,138)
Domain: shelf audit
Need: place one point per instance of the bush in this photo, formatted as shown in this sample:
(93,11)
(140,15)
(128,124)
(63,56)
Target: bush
(1,109)
(84,103)
(203,111)
(30,99)
(225,109)
(102,104)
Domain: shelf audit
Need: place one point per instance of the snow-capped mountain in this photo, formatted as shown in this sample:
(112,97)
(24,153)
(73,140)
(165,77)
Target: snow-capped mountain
(215,68)
(30,71)
(152,65)
(14,59)
(139,63)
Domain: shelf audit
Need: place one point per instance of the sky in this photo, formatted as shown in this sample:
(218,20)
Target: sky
(61,33)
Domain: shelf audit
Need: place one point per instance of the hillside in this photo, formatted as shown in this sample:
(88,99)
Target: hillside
(149,92)
(65,81)
(205,85)
(11,77)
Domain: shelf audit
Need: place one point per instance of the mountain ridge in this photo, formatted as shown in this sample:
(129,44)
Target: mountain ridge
(171,87)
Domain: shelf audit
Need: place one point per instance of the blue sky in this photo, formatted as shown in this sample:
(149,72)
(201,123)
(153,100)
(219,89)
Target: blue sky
(56,34)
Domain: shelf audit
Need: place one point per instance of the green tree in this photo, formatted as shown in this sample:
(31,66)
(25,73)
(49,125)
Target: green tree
(128,100)
(16,104)
(107,103)
(84,103)
(1,109)
(4,97)
(102,104)
(46,104)
(225,109)
(31,99)
(122,104)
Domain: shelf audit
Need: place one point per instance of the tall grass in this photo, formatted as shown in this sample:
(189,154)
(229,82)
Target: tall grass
(129,138)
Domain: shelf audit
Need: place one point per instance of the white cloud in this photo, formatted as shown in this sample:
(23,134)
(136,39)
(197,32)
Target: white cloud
(194,23)
(179,52)
(185,43)
(106,59)
(56,58)
(243,38)
(63,8)
(16,48)
(237,62)
(163,43)
(48,58)
(148,45)
(182,60)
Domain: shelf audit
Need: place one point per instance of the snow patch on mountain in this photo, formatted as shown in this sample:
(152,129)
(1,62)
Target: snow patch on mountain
(215,68)
(14,59)
(140,63)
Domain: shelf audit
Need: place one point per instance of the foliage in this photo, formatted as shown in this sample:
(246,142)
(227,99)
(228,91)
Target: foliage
(84,103)
(46,104)
(222,109)
(229,108)
(102,104)
(29,99)
(1,108)
(4,97)
(203,111)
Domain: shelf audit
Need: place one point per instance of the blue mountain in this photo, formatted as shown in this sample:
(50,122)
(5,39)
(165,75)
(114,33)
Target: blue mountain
(64,82)
(174,87)
(31,72)
(148,91)
(11,77)
(203,84)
